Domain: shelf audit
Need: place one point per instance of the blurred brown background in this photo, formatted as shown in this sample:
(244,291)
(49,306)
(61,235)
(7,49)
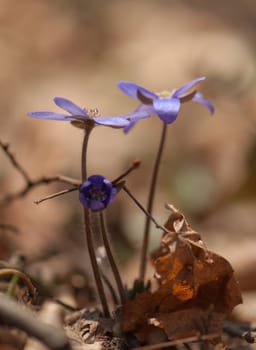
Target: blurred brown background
(79,49)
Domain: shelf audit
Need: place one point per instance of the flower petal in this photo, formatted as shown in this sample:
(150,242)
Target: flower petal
(98,180)
(112,191)
(97,205)
(167,109)
(115,122)
(200,99)
(141,112)
(69,106)
(125,119)
(50,116)
(185,88)
(131,89)
(130,126)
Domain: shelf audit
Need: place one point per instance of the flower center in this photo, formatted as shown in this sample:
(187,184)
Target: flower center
(94,112)
(96,194)
(165,94)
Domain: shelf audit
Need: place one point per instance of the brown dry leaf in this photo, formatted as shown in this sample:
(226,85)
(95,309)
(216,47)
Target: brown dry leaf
(189,321)
(197,288)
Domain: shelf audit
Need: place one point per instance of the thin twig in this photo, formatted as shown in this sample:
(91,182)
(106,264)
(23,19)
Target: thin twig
(13,315)
(56,194)
(8,227)
(181,341)
(6,148)
(158,226)
(45,180)
(65,306)
(29,183)
(135,164)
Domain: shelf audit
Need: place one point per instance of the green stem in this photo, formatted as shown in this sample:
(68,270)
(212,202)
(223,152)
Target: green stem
(22,276)
(12,285)
(111,259)
(152,188)
(88,231)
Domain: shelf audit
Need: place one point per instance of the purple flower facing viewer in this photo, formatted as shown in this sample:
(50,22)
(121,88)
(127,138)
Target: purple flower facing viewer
(79,116)
(166,105)
(96,193)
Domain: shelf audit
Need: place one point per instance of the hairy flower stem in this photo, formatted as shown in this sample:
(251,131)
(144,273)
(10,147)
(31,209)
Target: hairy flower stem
(111,259)
(88,231)
(151,196)
(88,130)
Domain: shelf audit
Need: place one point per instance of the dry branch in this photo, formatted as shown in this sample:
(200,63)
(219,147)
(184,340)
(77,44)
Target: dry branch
(14,315)
(29,182)
(8,227)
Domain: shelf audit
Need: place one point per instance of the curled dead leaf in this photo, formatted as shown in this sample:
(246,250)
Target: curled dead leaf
(196,287)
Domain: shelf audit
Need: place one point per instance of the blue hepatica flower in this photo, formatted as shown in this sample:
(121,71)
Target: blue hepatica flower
(80,116)
(96,193)
(166,105)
